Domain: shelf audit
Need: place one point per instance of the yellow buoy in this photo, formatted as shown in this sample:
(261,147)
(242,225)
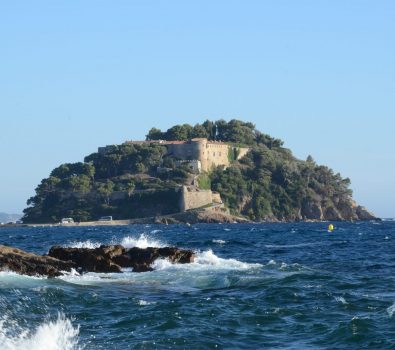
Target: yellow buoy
(331,228)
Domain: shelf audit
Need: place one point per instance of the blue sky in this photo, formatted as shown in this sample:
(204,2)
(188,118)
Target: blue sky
(75,75)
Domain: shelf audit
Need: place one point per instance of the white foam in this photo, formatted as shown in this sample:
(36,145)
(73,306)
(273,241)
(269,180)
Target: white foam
(142,241)
(391,310)
(12,279)
(161,264)
(87,278)
(4,275)
(206,260)
(51,335)
(156,231)
(219,241)
(341,300)
(144,302)
(85,244)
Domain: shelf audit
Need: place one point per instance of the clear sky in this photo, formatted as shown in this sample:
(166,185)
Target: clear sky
(75,75)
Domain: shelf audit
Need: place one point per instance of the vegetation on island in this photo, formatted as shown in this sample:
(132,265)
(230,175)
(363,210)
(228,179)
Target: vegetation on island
(137,180)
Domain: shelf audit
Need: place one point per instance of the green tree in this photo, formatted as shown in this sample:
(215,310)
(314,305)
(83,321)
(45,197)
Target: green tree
(179,132)
(154,134)
(105,190)
(80,183)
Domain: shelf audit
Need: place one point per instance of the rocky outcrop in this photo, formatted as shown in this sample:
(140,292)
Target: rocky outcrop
(341,210)
(115,257)
(364,214)
(111,258)
(19,261)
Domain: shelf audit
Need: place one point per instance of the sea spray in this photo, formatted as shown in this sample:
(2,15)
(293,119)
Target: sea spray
(143,241)
(85,244)
(206,260)
(50,335)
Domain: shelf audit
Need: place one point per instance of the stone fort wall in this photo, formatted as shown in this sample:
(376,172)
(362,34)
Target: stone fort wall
(193,197)
(209,153)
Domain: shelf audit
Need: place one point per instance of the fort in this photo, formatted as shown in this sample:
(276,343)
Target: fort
(199,155)
(209,153)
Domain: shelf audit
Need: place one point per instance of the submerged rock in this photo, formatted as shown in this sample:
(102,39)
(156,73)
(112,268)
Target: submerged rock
(111,258)
(19,261)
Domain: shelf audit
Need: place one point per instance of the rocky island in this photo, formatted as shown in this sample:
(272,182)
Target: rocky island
(211,172)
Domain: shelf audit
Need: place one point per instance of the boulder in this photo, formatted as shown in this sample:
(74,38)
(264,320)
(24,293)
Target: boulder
(89,260)
(19,261)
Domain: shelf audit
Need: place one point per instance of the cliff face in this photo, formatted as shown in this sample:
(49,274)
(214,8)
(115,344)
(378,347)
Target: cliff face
(348,211)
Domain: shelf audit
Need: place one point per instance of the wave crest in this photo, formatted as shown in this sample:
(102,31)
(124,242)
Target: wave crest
(143,241)
(206,260)
(51,335)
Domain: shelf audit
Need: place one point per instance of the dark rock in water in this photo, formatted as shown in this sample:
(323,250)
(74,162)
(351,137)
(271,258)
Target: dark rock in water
(111,258)
(19,261)
(141,259)
(115,257)
(89,260)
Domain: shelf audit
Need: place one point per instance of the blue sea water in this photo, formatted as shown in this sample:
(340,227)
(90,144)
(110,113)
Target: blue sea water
(262,286)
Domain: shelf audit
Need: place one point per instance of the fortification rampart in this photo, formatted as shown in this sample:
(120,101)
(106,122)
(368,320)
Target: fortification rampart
(209,153)
(193,197)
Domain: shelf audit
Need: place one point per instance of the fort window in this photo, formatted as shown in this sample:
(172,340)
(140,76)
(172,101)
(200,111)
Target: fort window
(213,154)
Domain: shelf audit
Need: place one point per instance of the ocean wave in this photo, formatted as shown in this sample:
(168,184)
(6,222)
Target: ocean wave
(156,231)
(219,241)
(206,264)
(9,279)
(341,300)
(206,260)
(391,310)
(143,241)
(50,335)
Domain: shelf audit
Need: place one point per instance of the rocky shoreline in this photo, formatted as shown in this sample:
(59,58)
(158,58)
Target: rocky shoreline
(106,258)
(212,217)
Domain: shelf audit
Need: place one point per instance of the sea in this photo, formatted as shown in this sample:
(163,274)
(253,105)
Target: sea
(252,286)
